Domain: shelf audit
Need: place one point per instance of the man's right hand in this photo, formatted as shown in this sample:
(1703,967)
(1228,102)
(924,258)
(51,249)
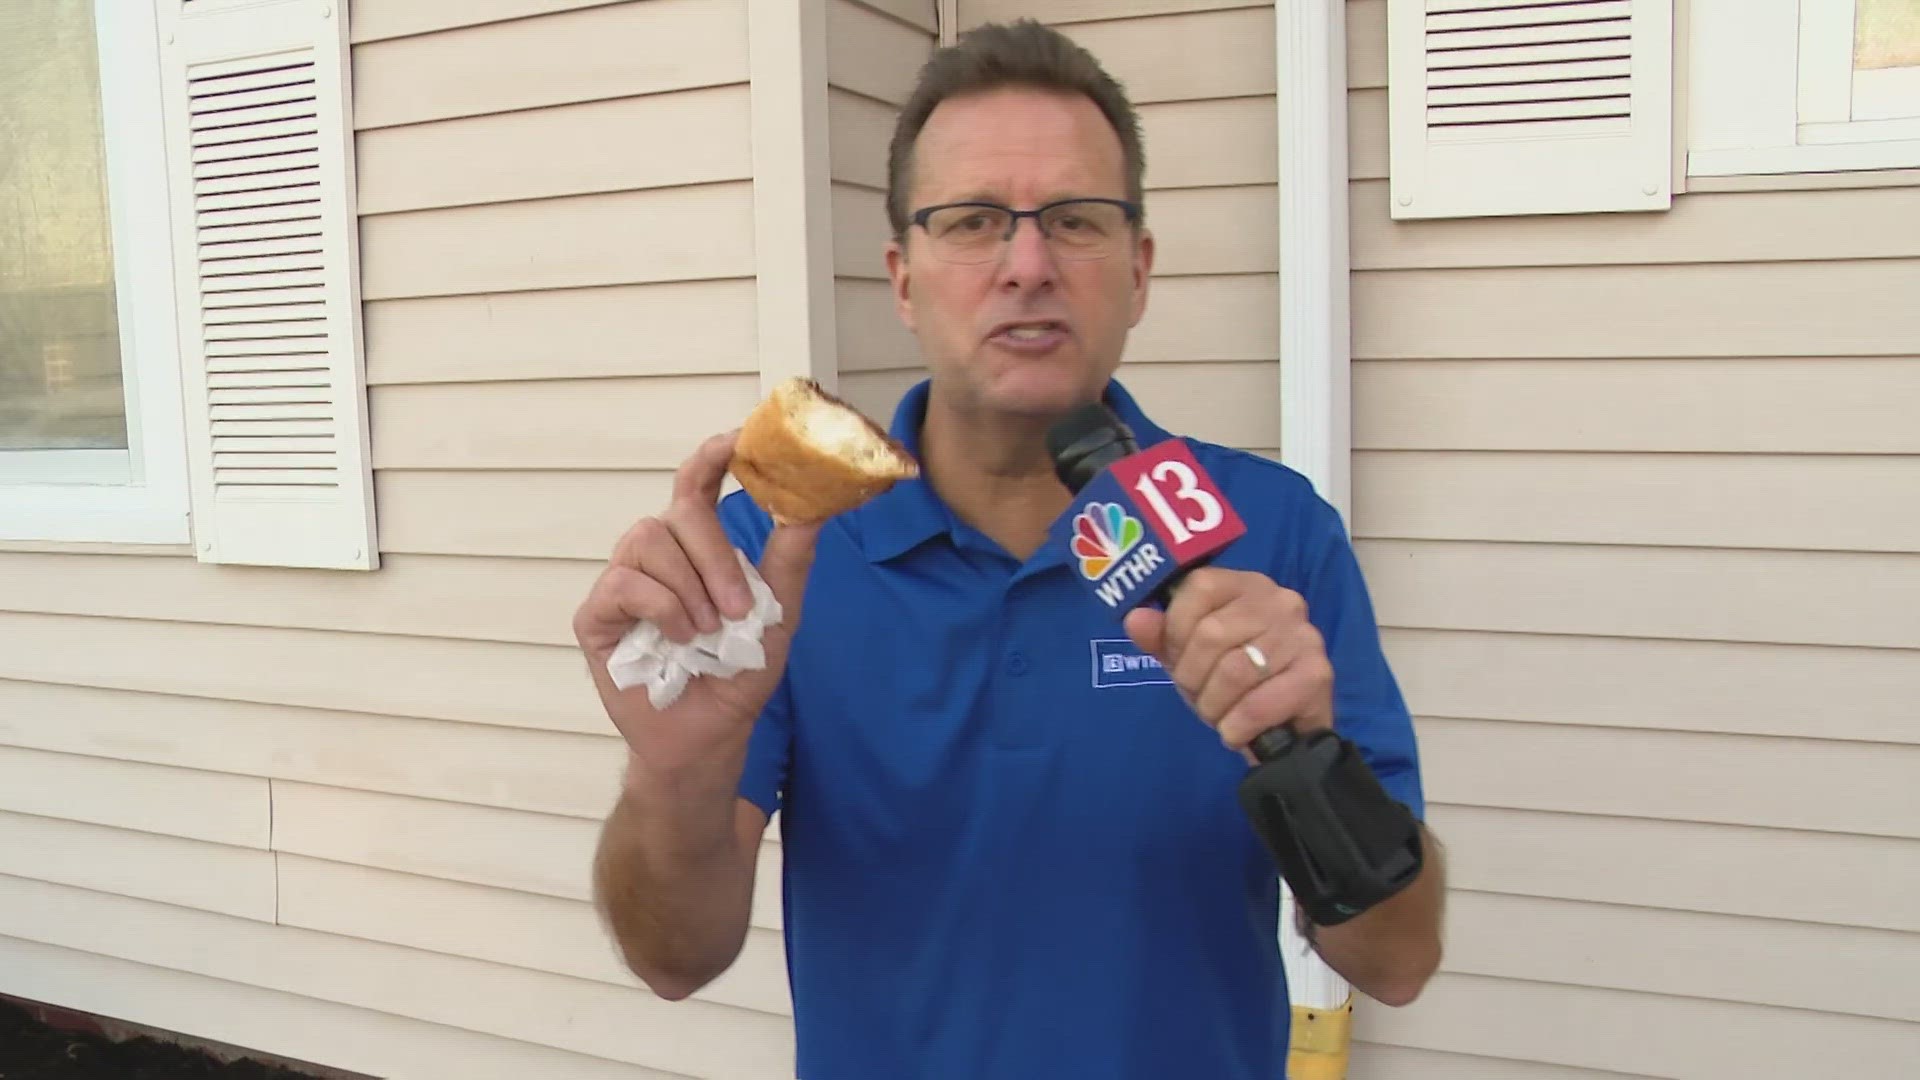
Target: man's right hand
(678,570)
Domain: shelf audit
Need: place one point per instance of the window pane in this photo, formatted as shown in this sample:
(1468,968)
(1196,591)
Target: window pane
(1886,33)
(59,329)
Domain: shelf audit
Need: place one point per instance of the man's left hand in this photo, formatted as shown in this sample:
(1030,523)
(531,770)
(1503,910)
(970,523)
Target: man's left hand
(1241,649)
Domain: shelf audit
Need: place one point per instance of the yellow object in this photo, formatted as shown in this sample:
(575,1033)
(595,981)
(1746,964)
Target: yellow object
(1319,1042)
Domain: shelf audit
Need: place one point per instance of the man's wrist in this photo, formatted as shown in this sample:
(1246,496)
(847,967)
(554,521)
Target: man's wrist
(686,771)
(683,814)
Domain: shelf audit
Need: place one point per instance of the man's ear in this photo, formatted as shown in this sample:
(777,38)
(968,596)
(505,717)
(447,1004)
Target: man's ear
(1142,274)
(900,274)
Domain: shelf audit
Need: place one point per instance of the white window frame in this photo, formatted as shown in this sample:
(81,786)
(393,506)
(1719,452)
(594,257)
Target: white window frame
(1772,90)
(138,495)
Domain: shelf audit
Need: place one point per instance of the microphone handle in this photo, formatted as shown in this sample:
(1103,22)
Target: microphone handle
(1272,743)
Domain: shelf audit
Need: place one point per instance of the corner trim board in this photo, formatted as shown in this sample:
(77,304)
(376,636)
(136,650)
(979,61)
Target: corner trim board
(792,192)
(1315,339)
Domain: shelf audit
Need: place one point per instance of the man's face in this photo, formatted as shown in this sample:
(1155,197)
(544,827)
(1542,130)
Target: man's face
(1028,332)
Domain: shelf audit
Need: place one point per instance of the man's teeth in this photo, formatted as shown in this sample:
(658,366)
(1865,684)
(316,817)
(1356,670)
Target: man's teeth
(1028,332)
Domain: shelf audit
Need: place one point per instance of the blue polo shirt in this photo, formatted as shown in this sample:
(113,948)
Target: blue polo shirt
(1011,850)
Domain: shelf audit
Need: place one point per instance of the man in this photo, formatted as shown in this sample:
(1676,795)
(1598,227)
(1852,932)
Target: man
(998,865)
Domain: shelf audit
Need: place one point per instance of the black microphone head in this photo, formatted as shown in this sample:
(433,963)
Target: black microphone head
(1085,441)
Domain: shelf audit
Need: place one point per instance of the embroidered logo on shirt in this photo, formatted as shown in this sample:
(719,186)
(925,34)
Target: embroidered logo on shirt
(1119,662)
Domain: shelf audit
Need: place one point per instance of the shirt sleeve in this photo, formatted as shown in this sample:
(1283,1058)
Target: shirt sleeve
(769,749)
(764,779)
(1369,708)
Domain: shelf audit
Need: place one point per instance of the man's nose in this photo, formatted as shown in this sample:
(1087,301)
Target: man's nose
(1027,259)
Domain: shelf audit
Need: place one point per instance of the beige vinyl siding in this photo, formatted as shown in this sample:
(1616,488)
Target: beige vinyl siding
(1374,1061)
(874,52)
(503,926)
(142,863)
(531,686)
(363,805)
(232,742)
(474,63)
(1634,494)
(219,809)
(691,1038)
(1660,683)
(1641,1034)
(1832,503)
(302,1027)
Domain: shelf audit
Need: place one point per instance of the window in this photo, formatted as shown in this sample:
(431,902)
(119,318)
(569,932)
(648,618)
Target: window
(180,354)
(1784,86)
(62,361)
(91,436)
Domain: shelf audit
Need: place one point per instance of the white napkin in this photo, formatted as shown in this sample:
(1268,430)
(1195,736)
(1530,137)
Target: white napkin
(645,655)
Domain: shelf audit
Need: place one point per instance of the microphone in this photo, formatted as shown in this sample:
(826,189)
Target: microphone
(1095,456)
(1340,841)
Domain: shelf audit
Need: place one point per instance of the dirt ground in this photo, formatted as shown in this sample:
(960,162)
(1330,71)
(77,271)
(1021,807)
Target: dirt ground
(31,1050)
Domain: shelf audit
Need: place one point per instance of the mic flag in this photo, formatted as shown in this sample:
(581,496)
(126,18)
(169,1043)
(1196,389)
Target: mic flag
(1142,520)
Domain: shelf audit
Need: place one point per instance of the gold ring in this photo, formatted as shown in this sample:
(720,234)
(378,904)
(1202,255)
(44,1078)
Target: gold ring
(1254,654)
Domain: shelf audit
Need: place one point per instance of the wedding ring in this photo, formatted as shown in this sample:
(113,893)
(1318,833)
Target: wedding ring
(1254,654)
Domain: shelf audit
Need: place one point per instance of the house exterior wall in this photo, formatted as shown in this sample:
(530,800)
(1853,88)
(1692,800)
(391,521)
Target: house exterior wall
(874,50)
(349,817)
(1635,495)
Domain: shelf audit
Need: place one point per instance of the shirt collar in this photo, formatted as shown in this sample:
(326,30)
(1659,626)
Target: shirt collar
(911,513)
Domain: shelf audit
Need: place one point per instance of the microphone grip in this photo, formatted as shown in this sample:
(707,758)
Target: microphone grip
(1273,743)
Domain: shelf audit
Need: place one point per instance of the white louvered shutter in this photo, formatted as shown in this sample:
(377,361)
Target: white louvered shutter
(1529,106)
(260,176)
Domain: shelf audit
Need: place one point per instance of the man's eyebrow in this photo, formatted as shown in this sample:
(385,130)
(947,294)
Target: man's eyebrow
(1000,200)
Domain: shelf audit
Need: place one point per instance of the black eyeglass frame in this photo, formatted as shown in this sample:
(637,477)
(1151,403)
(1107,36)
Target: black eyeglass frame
(1131,209)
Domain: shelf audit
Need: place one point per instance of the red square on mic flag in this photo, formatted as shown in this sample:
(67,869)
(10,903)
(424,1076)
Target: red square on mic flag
(1180,502)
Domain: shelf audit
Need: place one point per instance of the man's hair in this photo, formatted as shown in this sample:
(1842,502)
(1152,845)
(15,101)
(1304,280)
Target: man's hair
(1023,53)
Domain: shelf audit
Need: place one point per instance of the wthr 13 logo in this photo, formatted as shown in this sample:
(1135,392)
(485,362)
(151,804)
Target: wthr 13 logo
(1185,520)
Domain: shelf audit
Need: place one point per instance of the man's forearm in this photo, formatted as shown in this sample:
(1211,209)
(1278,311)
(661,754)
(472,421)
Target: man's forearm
(1390,951)
(671,879)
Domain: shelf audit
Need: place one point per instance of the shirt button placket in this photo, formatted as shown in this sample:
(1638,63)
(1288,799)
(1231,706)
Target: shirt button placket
(1014,724)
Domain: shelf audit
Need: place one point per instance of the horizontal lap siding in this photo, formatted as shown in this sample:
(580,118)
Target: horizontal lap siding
(874,54)
(1204,359)
(1803,502)
(1379,1061)
(583,1016)
(1634,495)
(305,1028)
(1791,964)
(1676,685)
(510,684)
(232,743)
(1641,1033)
(233,881)
(370,800)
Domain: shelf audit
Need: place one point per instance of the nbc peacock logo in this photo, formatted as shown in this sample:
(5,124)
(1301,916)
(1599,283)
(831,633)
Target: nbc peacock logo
(1102,533)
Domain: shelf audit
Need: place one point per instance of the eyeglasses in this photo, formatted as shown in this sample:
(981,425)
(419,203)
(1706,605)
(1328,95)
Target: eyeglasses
(977,232)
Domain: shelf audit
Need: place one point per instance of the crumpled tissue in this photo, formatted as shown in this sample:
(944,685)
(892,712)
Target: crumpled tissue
(647,656)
